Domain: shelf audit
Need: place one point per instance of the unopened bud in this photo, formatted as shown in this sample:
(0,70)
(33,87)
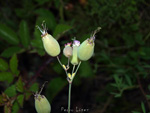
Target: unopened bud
(68,50)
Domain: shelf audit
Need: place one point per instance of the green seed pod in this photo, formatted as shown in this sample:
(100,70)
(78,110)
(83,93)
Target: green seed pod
(41,104)
(74,58)
(86,49)
(68,50)
(51,45)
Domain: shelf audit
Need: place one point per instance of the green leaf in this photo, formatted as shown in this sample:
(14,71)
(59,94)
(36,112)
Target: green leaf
(54,87)
(34,87)
(8,34)
(20,100)
(3,65)
(85,69)
(41,52)
(11,91)
(14,65)
(19,85)
(60,30)
(6,76)
(37,42)
(24,33)
(15,107)
(143,107)
(10,51)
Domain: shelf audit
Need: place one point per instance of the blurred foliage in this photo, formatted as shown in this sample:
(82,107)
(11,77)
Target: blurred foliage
(119,67)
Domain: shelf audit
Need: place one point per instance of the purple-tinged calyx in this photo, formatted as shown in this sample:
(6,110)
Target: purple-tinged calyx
(76,43)
(68,44)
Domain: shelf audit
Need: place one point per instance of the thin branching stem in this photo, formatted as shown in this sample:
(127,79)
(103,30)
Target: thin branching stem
(62,66)
(76,71)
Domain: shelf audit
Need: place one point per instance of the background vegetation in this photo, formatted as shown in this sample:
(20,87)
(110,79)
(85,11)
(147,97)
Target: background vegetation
(115,80)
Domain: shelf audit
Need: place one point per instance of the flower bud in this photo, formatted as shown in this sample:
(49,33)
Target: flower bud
(41,104)
(68,50)
(86,49)
(74,58)
(51,45)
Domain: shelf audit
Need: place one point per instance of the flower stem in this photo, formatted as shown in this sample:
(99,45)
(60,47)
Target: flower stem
(69,98)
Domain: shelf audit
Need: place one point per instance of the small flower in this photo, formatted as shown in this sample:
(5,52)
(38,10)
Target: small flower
(74,59)
(51,45)
(76,43)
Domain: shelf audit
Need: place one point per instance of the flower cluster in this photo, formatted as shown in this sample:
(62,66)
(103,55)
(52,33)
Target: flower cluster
(75,52)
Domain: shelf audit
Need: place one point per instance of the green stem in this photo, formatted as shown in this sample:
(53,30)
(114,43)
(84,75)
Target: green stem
(76,71)
(69,97)
(62,65)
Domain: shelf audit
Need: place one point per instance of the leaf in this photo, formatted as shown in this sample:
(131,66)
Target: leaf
(41,52)
(34,87)
(15,107)
(24,33)
(54,87)
(8,34)
(85,70)
(10,51)
(60,30)
(143,107)
(37,42)
(19,85)
(3,65)
(6,76)
(14,65)
(20,100)
(11,91)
